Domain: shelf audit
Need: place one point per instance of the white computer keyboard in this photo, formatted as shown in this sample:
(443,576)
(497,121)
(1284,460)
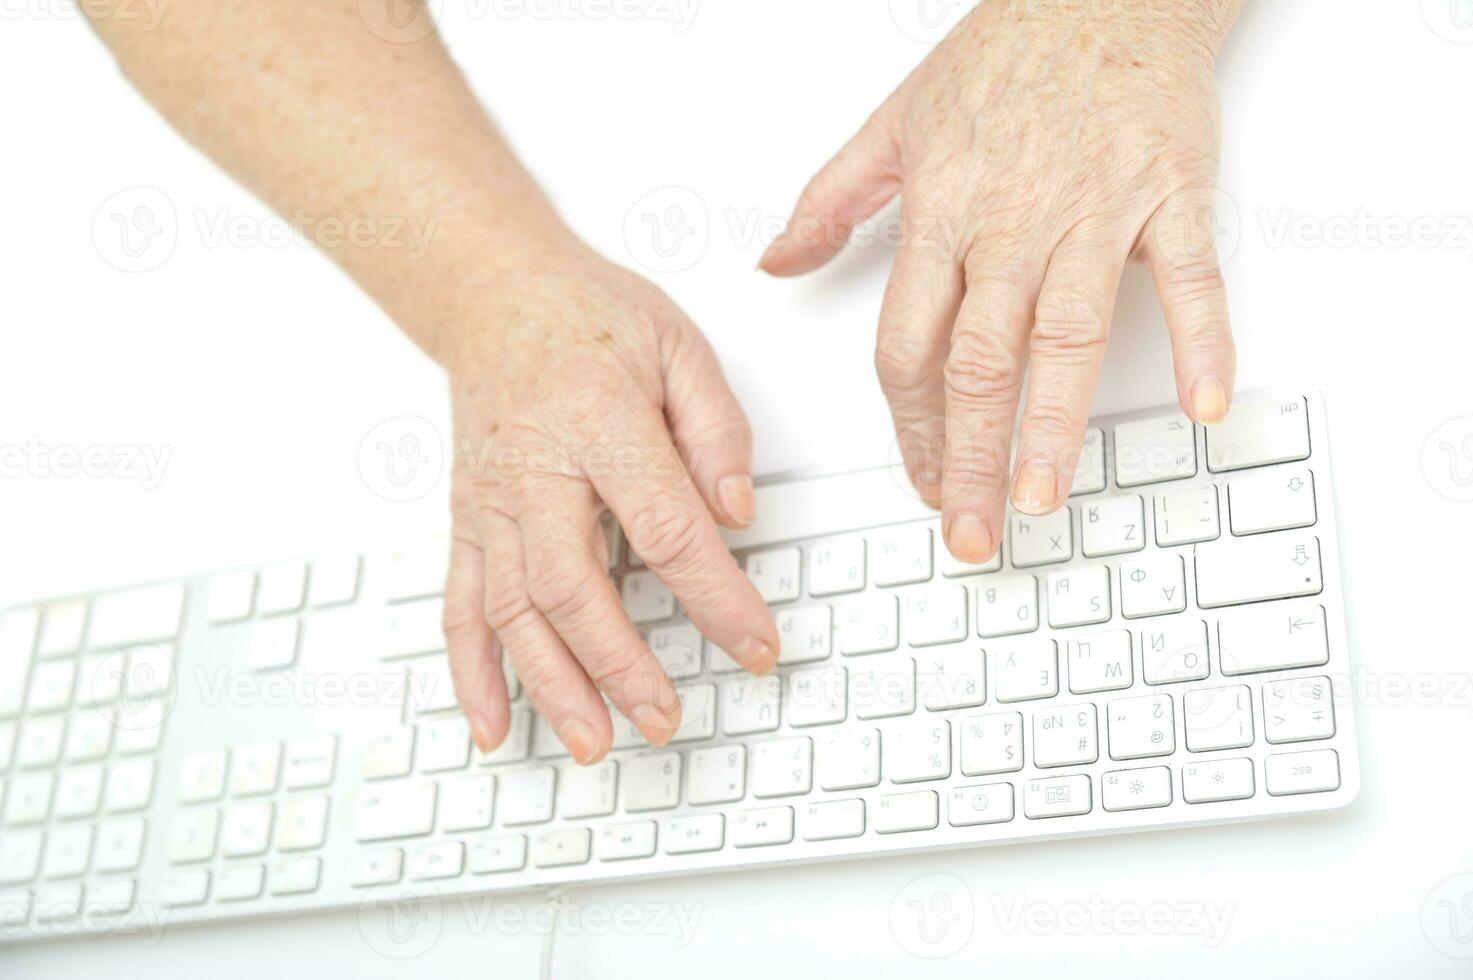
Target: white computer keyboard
(1168,650)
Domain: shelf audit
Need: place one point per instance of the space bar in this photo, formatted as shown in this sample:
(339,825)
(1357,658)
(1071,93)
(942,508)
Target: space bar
(817,506)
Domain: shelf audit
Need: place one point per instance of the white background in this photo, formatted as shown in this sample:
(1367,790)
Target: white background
(261,370)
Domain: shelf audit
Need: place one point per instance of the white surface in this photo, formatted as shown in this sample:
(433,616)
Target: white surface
(262,371)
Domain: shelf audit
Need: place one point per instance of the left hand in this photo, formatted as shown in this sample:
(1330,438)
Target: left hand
(1037,150)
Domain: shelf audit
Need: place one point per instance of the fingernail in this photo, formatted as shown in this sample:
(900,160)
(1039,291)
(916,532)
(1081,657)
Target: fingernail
(657,727)
(480,732)
(758,656)
(1036,487)
(772,250)
(1209,400)
(735,494)
(969,539)
(577,736)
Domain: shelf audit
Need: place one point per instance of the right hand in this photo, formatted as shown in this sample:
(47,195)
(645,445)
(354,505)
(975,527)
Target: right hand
(578,385)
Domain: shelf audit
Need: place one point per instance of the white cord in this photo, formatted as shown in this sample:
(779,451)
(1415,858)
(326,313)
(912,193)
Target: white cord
(555,905)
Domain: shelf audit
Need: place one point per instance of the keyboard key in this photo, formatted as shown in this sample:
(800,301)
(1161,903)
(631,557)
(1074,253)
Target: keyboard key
(1187,516)
(150,671)
(884,687)
(467,802)
(89,736)
(303,823)
(646,599)
(112,897)
(100,678)
(763,827)
(782,768)
(952,567)
(434,861)
(992,743)
(693,835)
(28,799)
(444,745)
(240,883)
(901,813)
(818,696)
(1298,710)
(1155,450)
(389,755)
(295,876)
(750,704)
(391,810)
(273,644)
(334,580)
(255,769)
(1100,662)
(20,855)
(68,849)
(1270,566)
(775,574)
(40,742)
(145,615)
(1113,526)
(836,567)
(310,761)
(417,570)
(678,648)
(1007,606)
(232,597)
(1089,470)
(588,791)
(1258,434)
(833,820)
(58,902)
(79,792)
(496,855)
(1218,718)
(1024,670)
(376,867)
(1065,736)
(562,848)
(1041,540)
(805,635)
(527,797)
(64,624)
(246,830)
(917,750)
(283,588)
(1292,773)
(51,686)
(717,775)
(626,841)
(1217,780)
(129,786)
(1136,789)
(900,555)
(1154,586)
(1274,500)
(868,625)
(518,742)
(1142,728)
(185,888)
(1174,651)
(971,806)
(119,844)
(951,677)
(412,628)
(1277,636)
(936,616)
(1079,597)
(18,630)
(194,836)
(849,759)
(1061,796)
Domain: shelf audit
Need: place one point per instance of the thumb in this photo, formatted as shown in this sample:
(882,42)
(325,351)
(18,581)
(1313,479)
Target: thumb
(861,179)
(709,429)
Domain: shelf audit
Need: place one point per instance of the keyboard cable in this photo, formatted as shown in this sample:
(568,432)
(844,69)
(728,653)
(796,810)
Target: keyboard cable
(556,903)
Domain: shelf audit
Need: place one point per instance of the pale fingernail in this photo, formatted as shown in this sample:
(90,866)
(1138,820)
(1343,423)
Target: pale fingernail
(577,736)
(480,732)
(734,492)
(1036,487)
(772,250)
(1209,400)
(758,656)
(657,727)
(969,539)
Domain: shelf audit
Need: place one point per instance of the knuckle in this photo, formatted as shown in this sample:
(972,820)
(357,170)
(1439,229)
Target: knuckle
(982,370)
(461,623)
(665,535)
(898,361)
(1050,418)
(560,586)
(509,610)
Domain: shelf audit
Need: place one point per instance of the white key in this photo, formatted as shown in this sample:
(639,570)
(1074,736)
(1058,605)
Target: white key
(68,849)
(693,835)
(775,574)
(417,570)
(1089,472)
(334,580)
(678,648)
(1079,596)
(804,634)
(836,567)
(588,791)
(1218,718)
(1259,433)
(58,902)
(232,597)
(51,686)
(1007,606)
(952,567)
(79,792)
(1187,516)
(935,616)
(1298,710)
(527,797)
(972,806)
(295,876)
(303,823)
(1136,789)
(255,769)
(1113,526)
(466,802)
(1275,636)
(376,867)
(18,629)
(868,625)
(901,813)
(1041,540)
(952,677)
(7,742)
(884,687)
(1217,780)
(138,616)
(849,759)
(241,883)
(412,628)
(119,845)
(389,755)
(625,841)
(1066,735)
(273,644)
(1141,728)
(202,775)
(20,856)
(40,742)
(817,697)
(697,713)
(90,735)
(444,745)
(193,836)
(140,726)
(491,855)
(917,750)
(562,848)
(1174,651)
(100,679)
(652,782)
(1274,500)
(900,555)
(283,587)
(782,768)
(1282,565)
(1154,450)
(1152,586)
(309,761)
(129,786)
(28,799)
(150,671)
(834,820)
(246,831)
(1100,662)
(112,897)
(646,598)
(434,861)
(1292,773)
(390,810)
(750,704)
(763,828)
(1061,796)
(717,775)
(1024,670)
(517,744)
(184,888)
(992,743)
(63,626)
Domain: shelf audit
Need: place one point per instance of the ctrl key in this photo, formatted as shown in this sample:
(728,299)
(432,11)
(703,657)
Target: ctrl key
(1061,796)
(1292,773)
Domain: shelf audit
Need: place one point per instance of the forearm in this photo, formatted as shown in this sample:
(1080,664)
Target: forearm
(329,122)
